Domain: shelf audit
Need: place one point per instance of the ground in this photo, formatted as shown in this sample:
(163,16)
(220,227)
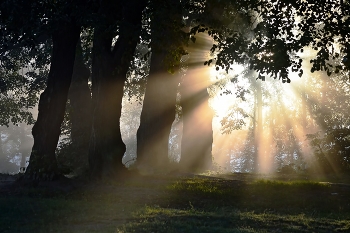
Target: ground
(178,203)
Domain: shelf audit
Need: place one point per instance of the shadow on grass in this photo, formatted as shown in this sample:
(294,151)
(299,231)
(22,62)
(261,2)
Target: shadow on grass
(88,208)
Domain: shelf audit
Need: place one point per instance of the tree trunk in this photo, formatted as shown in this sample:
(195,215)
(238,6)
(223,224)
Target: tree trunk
(46,131)
(197,137)
(81,111)
(109,71)
(157,116)
(258,129)
(158,112)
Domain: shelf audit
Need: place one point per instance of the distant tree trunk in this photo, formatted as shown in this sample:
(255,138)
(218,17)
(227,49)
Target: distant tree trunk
(158,112)
(81,110)
(109,69)
(197,116)
(254,167)
(46,131)
(258,129)
(304,106)
(2,154)
(22,138)
(304,148)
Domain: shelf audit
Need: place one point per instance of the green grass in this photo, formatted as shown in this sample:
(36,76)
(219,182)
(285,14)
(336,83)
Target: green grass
(173,204)
(157,219)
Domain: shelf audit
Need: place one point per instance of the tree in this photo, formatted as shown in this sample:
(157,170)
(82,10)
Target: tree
(267,36)
(73,151)
(329,136)
(61,24)
(197,116)
(156,135)
(158,111)
(110,65)
(46,130)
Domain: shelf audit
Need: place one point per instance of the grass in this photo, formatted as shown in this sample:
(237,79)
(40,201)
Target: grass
(179,204)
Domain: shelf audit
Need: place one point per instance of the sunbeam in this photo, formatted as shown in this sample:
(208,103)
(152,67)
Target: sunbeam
(289,113)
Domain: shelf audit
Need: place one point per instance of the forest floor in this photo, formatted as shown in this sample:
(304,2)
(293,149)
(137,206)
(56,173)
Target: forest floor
(178,203)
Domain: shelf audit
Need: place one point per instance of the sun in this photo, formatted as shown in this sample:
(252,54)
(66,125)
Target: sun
(220,104)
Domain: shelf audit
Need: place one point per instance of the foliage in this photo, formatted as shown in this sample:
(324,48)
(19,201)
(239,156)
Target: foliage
(21,82)
(332,149)
(135,84)
(70,159)
(26,45)
(270,35)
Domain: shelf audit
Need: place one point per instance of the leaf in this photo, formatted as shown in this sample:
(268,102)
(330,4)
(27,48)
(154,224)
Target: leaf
(300,73)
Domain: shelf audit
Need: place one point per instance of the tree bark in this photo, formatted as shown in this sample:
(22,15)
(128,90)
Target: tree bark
(157,116)
(109,69)
(52,103)
(258,130)
(197,137)
(81,111)
(197,134)
(158,112)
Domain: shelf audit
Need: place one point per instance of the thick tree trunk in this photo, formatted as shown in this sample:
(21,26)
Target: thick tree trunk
(109,71)
(158,112)
(197,137)
(46,131)
(157,116)
(106,145)
(81,111)
(197,134)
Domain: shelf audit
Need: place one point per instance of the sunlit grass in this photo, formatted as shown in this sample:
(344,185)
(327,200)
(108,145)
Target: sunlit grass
(226,219)
(266,184)
(196,185)
(284,196)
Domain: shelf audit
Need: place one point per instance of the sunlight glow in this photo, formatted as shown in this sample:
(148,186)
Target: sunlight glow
(257,126)
(286,120)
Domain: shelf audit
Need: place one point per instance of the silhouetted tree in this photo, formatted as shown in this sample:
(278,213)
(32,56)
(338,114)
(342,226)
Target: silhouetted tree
(158,111)
(197,116)
(268,36)
(110,64)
